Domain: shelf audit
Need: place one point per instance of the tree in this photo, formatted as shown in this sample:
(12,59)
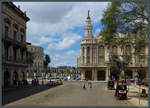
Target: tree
(29,59)
(47,60)
(128,18)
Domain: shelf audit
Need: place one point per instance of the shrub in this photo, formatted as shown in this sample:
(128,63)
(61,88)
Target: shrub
(146,83)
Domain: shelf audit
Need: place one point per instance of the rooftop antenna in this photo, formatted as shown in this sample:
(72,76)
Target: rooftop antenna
(88,13)
(19,6)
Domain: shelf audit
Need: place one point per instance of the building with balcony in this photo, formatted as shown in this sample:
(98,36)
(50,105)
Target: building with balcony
(13,44)
(37,68)
(93,63)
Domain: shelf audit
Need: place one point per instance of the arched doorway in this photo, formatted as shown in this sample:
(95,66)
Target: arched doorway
(15,77)
(6,79)
(101,75)
(23,76)
(88,75)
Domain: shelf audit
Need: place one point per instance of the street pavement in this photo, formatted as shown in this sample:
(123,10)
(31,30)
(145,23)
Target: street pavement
(72,94)
(133,95)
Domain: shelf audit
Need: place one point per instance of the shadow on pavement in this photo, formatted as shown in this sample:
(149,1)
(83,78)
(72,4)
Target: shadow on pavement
(16,94)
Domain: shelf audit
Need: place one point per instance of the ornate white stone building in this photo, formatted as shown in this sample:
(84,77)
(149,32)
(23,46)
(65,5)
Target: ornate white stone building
(13,44)
(93,62)
(37,67)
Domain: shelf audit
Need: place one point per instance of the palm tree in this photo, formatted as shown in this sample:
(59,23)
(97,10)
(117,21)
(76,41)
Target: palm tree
(47,60)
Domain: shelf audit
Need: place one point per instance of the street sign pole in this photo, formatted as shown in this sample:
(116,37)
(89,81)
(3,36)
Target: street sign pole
(139,93)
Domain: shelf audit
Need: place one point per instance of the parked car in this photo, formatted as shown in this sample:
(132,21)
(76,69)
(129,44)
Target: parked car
(65,79)
(51,83)
(78,79)
(59,82)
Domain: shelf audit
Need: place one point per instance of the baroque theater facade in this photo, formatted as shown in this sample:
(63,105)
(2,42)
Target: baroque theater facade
(93,63)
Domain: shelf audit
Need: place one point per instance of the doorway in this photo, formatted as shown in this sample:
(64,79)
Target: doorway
(101,75)
(88,75)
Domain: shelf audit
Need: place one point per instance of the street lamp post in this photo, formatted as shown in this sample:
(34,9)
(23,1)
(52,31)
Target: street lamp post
(122,71)
(108,63)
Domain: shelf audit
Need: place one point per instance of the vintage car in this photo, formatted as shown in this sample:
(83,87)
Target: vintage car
(59,82)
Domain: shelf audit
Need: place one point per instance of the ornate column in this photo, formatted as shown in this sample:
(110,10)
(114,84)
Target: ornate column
(91,53)
(82,52)
(97,55)
(107,74)
(95,75)
(85,55)
(82,74)
(3,50)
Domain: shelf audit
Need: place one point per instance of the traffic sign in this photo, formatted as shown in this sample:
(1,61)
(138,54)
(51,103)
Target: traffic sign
(139,82)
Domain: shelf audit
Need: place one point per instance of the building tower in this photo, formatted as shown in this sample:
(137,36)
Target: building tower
(88,28)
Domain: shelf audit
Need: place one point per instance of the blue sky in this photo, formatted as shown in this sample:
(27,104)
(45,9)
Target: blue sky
(59,27)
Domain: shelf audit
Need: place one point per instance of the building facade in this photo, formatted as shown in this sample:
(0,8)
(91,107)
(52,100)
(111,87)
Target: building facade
(13,44)
(94,60)
(37,68)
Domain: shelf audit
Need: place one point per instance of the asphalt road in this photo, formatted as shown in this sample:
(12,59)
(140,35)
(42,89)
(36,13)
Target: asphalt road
(72,94)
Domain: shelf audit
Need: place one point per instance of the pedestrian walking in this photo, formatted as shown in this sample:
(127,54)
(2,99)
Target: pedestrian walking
(90,84)
(84,86)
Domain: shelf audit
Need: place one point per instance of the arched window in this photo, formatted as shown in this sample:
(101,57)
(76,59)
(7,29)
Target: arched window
(83,54)
(122,50)
(128,52)
(88,55)
(101,55)
(6,20)
(101,50)
(114,50)
(15,35)
(6,31)
(128,49)
(15,26)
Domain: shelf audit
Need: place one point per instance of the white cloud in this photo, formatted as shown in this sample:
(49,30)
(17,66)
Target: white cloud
(67,40)
(44,40)
(67,58)
(70,52)
(50,18)
(58,18)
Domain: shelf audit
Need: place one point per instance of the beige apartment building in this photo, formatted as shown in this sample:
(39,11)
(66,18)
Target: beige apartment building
(37,67)
(94,60)
(13,44)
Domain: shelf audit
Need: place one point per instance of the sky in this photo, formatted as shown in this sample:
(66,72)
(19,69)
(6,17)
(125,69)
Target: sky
(59,27)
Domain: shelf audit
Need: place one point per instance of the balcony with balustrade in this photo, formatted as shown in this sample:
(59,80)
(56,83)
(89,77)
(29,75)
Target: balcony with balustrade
(11,61)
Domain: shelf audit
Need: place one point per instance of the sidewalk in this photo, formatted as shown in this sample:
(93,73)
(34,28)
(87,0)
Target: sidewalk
(133,95)
(14,88)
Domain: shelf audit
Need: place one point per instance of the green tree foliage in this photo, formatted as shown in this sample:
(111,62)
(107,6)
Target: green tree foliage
(130,19)
(110,23)
(30,57)
(47,60)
